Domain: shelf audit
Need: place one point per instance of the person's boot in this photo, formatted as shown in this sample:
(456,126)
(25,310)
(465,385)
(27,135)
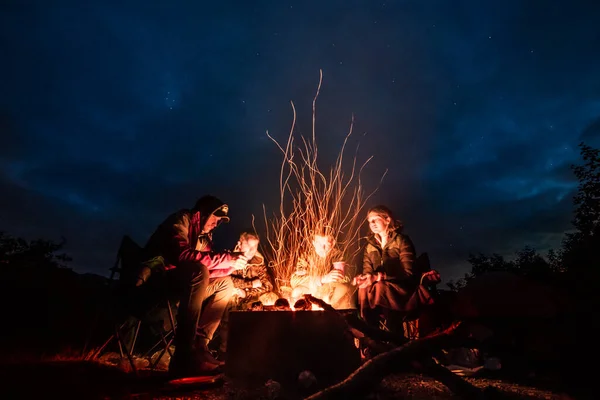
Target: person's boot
(221,352)
(195,363)
(205,353)
(208,357)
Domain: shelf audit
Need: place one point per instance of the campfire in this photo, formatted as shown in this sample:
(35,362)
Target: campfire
(313,202)
(286,341)
(283,304)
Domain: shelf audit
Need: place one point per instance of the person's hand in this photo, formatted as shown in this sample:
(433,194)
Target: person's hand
(370,279)
(364,280)
(241,293)
(239,262)
(334,276)
(256,283)
(381,276)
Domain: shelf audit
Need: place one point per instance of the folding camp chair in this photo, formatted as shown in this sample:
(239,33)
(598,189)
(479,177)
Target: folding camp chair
(409,321)
(133,303)
(428,280)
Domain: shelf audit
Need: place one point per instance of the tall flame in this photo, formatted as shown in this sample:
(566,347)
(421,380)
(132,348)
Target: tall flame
(312,201)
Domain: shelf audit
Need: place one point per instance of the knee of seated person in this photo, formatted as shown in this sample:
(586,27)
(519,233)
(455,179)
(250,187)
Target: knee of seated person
(228,283)
(343,287)
(379,284)
(300,291)
(197,272)
(228,286)
(376,287)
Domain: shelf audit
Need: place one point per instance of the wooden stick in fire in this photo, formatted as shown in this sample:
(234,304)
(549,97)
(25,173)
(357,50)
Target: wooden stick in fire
(358,327)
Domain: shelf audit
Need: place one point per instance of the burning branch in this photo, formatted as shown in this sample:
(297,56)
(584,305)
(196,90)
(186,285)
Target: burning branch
(314,202)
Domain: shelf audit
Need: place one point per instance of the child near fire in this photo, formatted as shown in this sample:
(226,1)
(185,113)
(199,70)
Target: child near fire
(333,287)
(251,283)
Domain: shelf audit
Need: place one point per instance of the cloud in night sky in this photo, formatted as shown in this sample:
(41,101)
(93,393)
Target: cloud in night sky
(112,116)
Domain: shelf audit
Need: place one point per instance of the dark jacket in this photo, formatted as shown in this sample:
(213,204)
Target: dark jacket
(396,259)
(178,239)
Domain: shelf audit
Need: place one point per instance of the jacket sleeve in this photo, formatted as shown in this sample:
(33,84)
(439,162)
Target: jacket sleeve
(240,281)
(266,286)
(186,251)
(220,272)
(407,257)
(368,267)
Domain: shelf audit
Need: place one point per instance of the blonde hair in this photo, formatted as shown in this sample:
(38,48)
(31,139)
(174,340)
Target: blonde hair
(245,235)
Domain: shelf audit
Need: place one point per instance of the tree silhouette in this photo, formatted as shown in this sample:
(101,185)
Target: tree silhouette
(527,262)
(40,253)
(577,263)
(580,253)
(587,199)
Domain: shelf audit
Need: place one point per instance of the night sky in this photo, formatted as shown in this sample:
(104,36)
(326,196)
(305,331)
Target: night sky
(114,114)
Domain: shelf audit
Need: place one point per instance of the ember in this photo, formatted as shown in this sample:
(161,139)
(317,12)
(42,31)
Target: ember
(302,304)
(283,304)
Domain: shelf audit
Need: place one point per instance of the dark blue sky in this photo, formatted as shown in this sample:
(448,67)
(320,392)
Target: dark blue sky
(113,114)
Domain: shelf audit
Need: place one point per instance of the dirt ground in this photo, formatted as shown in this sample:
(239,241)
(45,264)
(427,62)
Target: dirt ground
(86,380)
(405,386)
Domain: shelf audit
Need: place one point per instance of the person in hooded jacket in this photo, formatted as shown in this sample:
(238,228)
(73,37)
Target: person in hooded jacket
(389,280)
(182,245)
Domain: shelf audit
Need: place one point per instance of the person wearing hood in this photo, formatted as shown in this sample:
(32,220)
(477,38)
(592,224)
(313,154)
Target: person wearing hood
(182,245)
(389,278)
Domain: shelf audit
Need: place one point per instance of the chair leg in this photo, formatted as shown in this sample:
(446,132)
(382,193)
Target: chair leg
(170,335)
(166,345)
(99,351)
(148,354)
(107,342)
(126,335)
(171,317)
(173,327)
(135,336)
(127,351)
(163,340)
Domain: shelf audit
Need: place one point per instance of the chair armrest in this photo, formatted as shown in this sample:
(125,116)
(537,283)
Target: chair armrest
(431,277)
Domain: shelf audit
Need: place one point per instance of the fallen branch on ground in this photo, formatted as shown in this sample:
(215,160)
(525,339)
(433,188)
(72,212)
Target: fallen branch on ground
(365,378)
(370,374)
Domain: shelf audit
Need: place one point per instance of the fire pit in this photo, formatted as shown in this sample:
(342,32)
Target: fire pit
(280,345)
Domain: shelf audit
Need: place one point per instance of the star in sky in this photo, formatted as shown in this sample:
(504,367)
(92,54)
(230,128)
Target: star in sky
(115,114)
